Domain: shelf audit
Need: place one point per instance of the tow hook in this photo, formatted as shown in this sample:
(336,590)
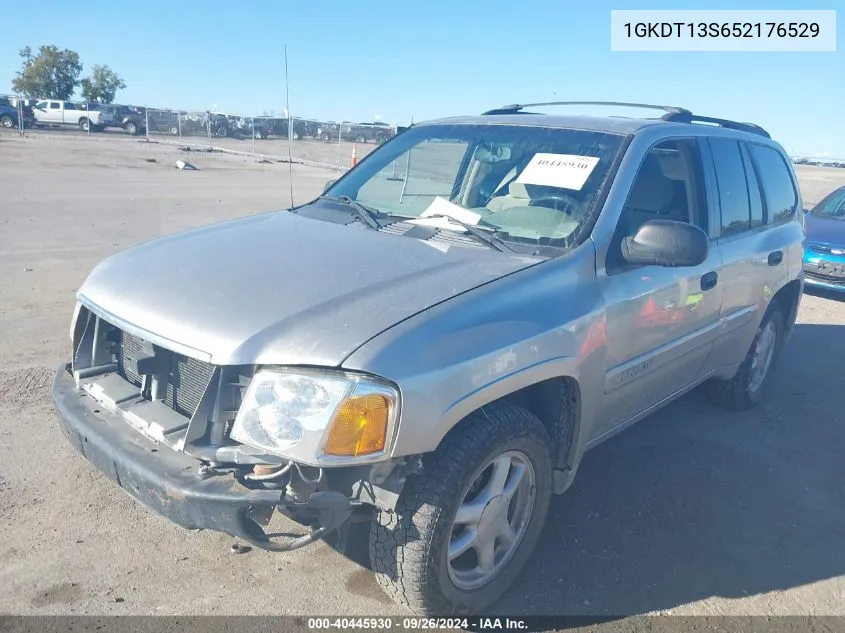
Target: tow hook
(333,509)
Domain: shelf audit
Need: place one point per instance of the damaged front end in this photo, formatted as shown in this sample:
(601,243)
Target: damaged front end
(161,421)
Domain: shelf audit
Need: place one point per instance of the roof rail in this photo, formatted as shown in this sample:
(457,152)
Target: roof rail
(688,117)
(517,108)
(673,113)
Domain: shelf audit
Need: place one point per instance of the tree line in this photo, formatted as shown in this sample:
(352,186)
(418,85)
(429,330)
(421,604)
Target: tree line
(52,73)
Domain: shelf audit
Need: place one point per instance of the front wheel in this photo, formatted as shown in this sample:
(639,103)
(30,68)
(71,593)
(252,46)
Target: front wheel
(84,124)
(464,529)
(744,390)
(7,121)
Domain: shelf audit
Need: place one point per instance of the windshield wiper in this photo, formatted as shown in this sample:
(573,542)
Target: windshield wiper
(490,240)
(366,214)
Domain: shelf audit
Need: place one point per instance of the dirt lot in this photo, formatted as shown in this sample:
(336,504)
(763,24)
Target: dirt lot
(694,511)
(327,153)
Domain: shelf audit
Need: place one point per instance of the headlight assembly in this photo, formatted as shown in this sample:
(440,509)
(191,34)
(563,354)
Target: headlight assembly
(318,417)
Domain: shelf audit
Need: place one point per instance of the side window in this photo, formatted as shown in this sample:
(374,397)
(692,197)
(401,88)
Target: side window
(778,189)
(55,105)
(733,187)
(70,106)
(668,186)
(757,216)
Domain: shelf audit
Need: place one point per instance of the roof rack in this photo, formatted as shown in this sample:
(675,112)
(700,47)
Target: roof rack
(673,114)
(517,108)
(688,117)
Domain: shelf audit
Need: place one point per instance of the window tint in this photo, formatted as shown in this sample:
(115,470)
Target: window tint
(757,217)
(55,105)
(778,190)
(733,188)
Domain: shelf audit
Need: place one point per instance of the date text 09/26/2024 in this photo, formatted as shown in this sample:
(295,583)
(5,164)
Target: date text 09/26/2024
(418,624)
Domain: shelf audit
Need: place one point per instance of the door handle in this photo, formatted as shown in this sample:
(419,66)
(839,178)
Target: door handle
(709,280)
(775,258)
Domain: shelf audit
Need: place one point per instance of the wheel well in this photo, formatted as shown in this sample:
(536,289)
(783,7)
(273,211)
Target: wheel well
(557,403)
(788,299)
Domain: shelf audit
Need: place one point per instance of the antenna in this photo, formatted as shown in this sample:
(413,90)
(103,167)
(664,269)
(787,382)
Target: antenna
(290,127)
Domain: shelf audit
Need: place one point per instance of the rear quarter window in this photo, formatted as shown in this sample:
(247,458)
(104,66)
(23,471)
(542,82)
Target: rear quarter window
(776,182)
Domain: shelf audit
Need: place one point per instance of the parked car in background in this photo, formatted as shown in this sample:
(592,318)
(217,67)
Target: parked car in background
(128,118)
(87,117)
(824,252)
(376,132)
(432,349)
(11,114)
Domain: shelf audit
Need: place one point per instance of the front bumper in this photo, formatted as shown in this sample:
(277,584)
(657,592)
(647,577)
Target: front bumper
(169,482)
(820,283)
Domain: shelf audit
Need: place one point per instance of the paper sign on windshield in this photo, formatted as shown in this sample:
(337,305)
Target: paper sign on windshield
(567,171)
(441,206)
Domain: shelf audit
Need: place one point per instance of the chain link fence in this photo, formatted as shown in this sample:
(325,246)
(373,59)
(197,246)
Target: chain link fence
(338,144)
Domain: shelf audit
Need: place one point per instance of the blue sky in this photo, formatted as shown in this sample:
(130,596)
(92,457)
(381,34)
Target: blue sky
(430,58)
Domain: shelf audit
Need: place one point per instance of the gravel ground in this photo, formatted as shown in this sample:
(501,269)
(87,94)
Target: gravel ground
(695,511)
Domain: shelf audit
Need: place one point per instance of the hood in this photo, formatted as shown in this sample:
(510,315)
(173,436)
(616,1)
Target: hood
(282,288)
(821,230)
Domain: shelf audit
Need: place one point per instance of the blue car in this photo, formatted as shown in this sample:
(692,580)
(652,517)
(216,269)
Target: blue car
(824,252)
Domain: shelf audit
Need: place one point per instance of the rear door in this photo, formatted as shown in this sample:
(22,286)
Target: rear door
(70,112)
(54,112)
(757,198)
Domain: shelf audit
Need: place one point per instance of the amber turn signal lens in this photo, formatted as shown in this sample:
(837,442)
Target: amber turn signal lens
(359,426)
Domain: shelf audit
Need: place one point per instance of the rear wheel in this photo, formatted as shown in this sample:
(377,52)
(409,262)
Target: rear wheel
(174,130)
(222,132)
(131,128)
(325,137)
(745,389)
(463,530)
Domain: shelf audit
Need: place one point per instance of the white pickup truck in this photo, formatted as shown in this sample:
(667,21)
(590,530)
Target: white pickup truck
(55,112)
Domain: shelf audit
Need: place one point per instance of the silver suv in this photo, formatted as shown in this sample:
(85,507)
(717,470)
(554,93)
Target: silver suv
(433,343)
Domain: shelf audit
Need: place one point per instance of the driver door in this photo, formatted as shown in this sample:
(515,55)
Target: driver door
(661,322)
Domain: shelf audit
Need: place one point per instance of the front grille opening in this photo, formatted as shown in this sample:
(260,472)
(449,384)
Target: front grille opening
(187,378)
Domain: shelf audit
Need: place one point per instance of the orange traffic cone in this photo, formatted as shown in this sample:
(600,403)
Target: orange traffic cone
(354,156)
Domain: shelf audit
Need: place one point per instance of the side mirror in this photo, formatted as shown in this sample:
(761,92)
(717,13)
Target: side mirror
(329,185)
(666,243)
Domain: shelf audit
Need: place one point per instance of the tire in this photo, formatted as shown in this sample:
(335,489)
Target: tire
(296,136)
(7,121)
(360,140)
(84,124)
(131,128)
(381,138)
(745,389)
(222,132)
(409,547)
(173,130)
(259,135)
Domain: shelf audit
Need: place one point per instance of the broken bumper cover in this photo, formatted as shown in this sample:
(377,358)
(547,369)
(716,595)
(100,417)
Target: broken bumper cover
(167,481)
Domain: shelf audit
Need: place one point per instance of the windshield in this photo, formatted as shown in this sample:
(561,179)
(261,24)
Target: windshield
(833,206)
(528,183)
